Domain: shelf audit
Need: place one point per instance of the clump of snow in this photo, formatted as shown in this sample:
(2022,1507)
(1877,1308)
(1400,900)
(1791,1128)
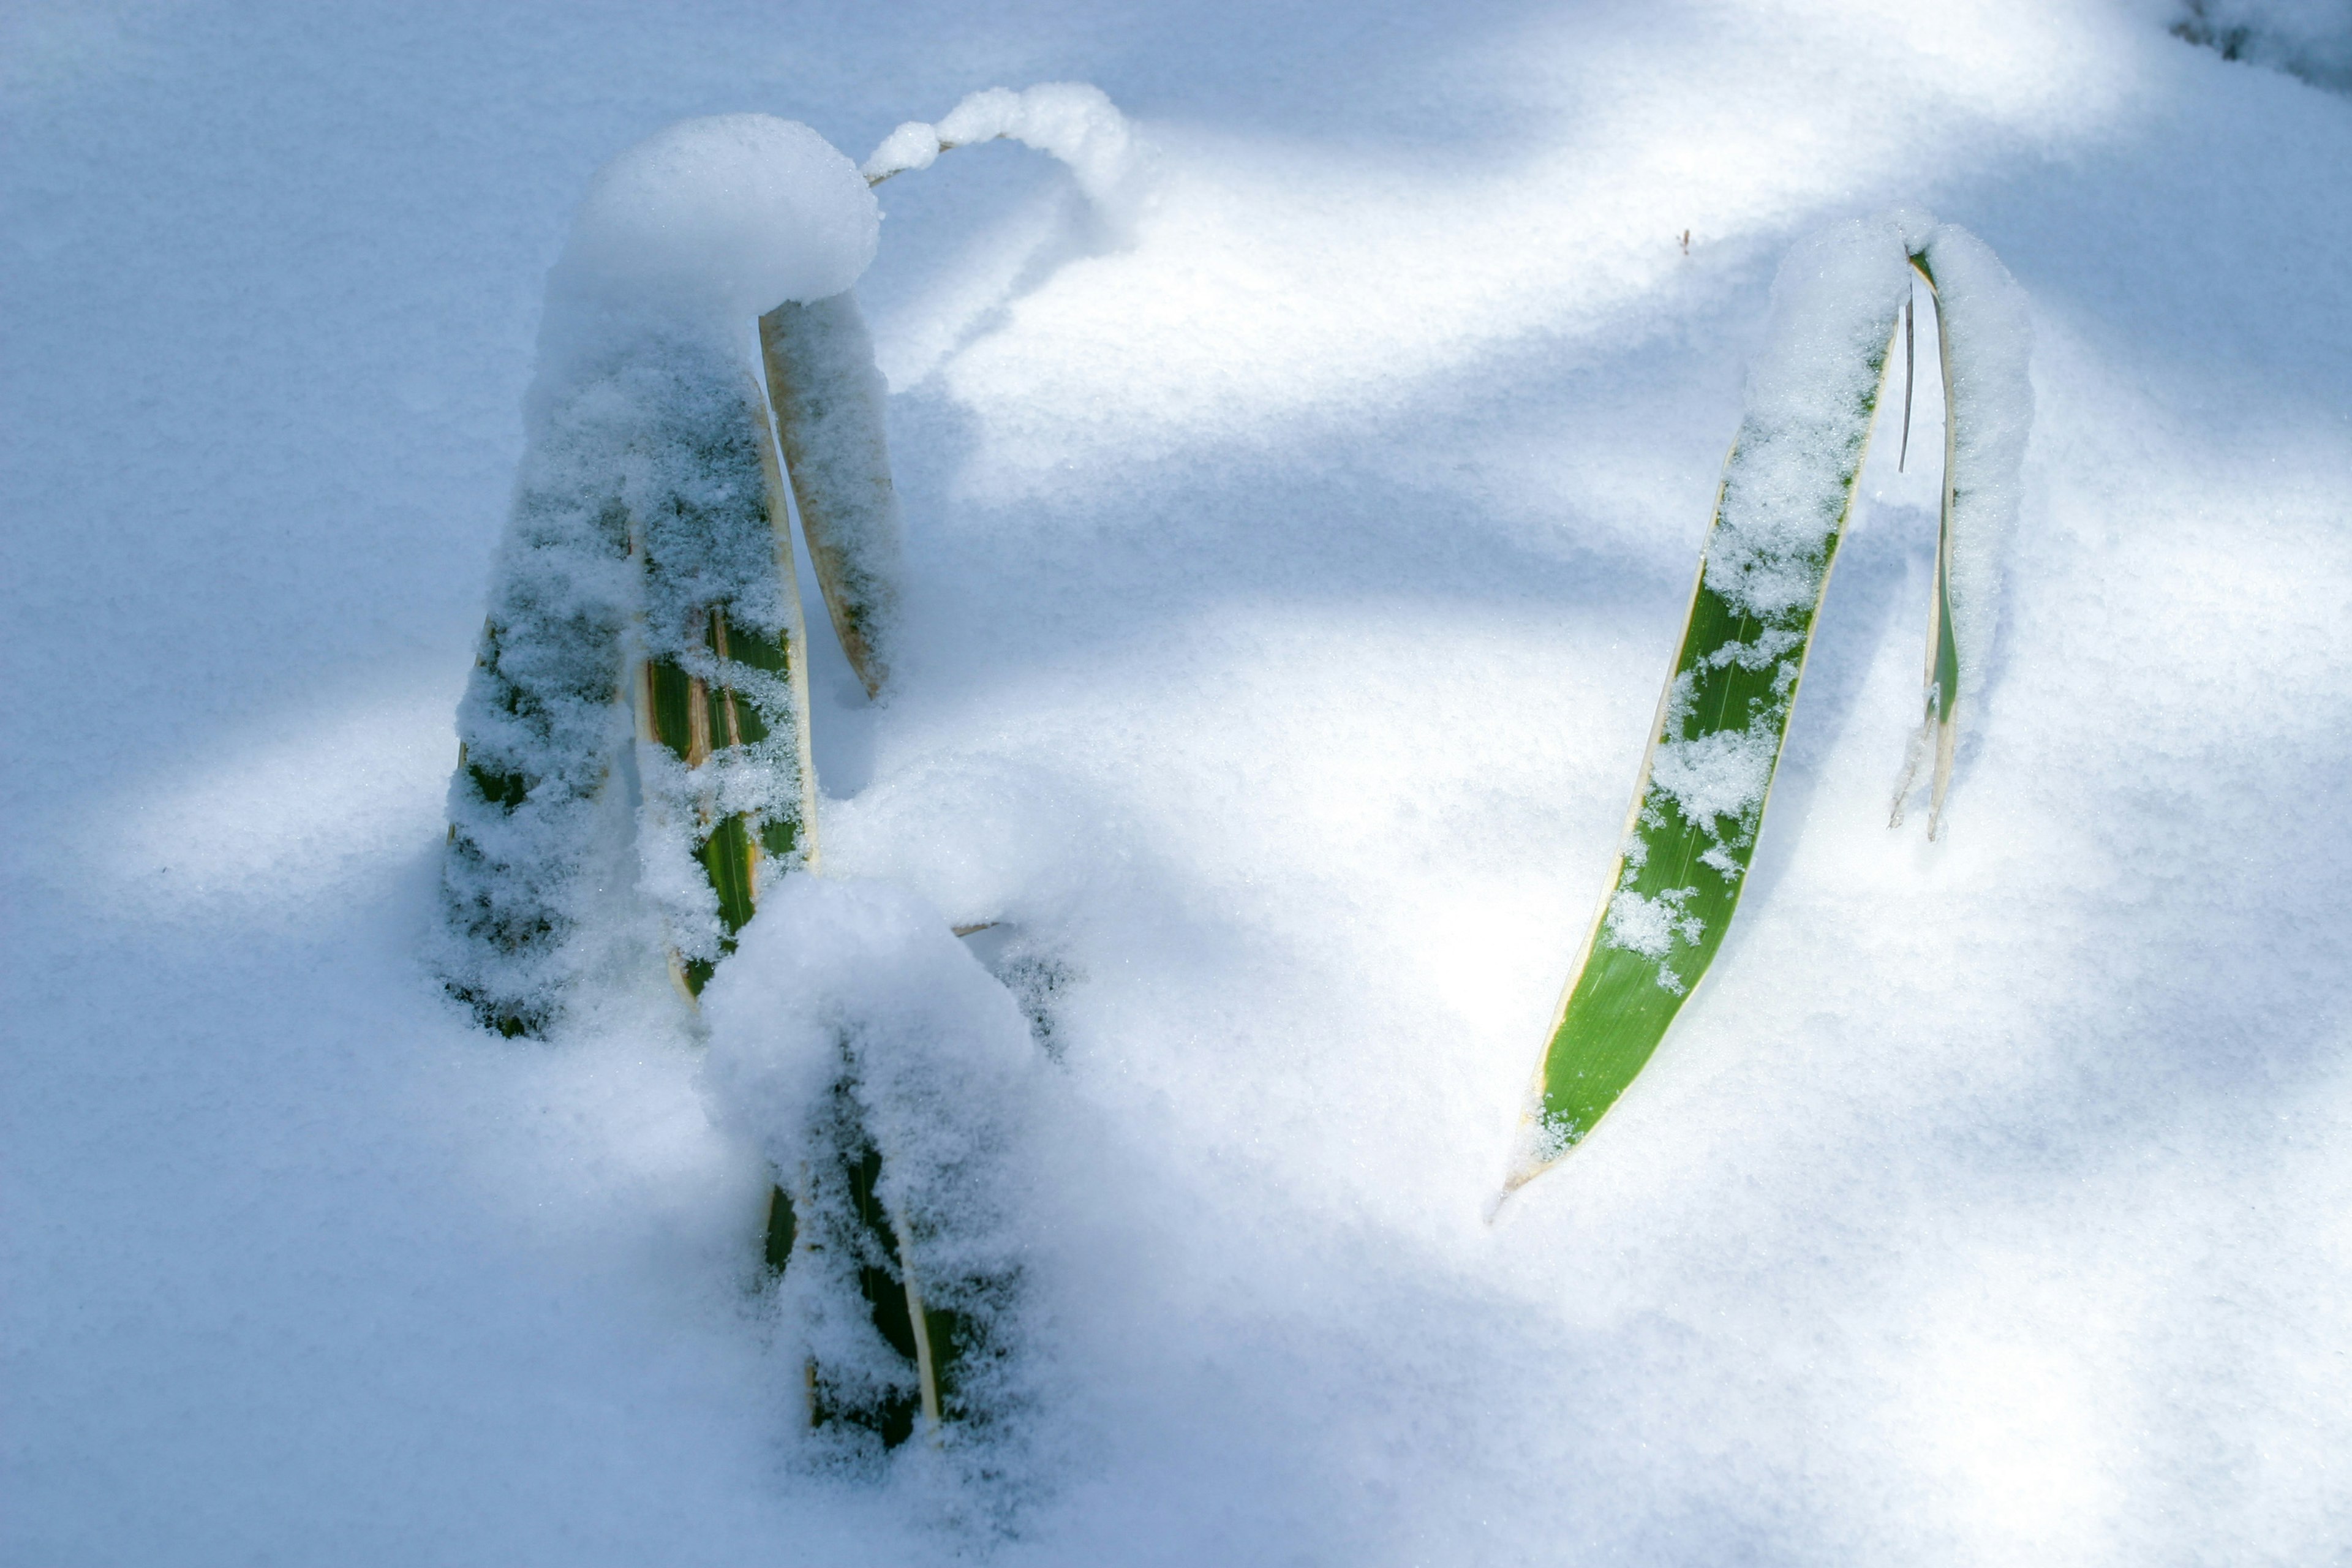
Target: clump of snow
(1073,121)
(1719,776)
(914,144)
(706,223)
(1649,925)
(850,1019)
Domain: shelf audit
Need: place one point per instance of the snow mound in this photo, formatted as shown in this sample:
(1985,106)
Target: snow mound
(851,1023)
(715,221)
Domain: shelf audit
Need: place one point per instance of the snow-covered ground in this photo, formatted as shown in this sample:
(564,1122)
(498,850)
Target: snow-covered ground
(1293,567)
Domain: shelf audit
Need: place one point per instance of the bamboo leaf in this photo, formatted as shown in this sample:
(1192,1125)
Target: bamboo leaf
(722,693)
(1715,746)
(538,729)
(829,401)
(840,1228)
(1984,341)
(649,519)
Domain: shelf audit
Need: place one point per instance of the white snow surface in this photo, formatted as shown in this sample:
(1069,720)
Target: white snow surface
(1288,584)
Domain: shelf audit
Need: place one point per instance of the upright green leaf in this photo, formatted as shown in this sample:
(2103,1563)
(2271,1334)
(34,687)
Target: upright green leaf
(721,689)
(541,725)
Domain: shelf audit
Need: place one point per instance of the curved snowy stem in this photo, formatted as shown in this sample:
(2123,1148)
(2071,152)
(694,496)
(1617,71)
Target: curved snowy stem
(1069,121)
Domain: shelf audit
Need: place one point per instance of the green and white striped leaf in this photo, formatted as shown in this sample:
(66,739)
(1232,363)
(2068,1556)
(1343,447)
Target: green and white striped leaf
(836,1223)
(887,1076)
(647,560)
(721,687)
(542,725)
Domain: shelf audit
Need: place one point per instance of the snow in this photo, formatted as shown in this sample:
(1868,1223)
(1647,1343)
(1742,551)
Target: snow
(1288,581)
(716,220)
(1649,926)
(849,1018)
(1072,120)
(1723,773)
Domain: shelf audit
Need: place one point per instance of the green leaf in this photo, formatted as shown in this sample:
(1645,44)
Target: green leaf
(728,700)
(845,1212)
(1707,775)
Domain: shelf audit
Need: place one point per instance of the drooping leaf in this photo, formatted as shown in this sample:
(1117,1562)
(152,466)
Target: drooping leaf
(1715,746)
(829,400)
